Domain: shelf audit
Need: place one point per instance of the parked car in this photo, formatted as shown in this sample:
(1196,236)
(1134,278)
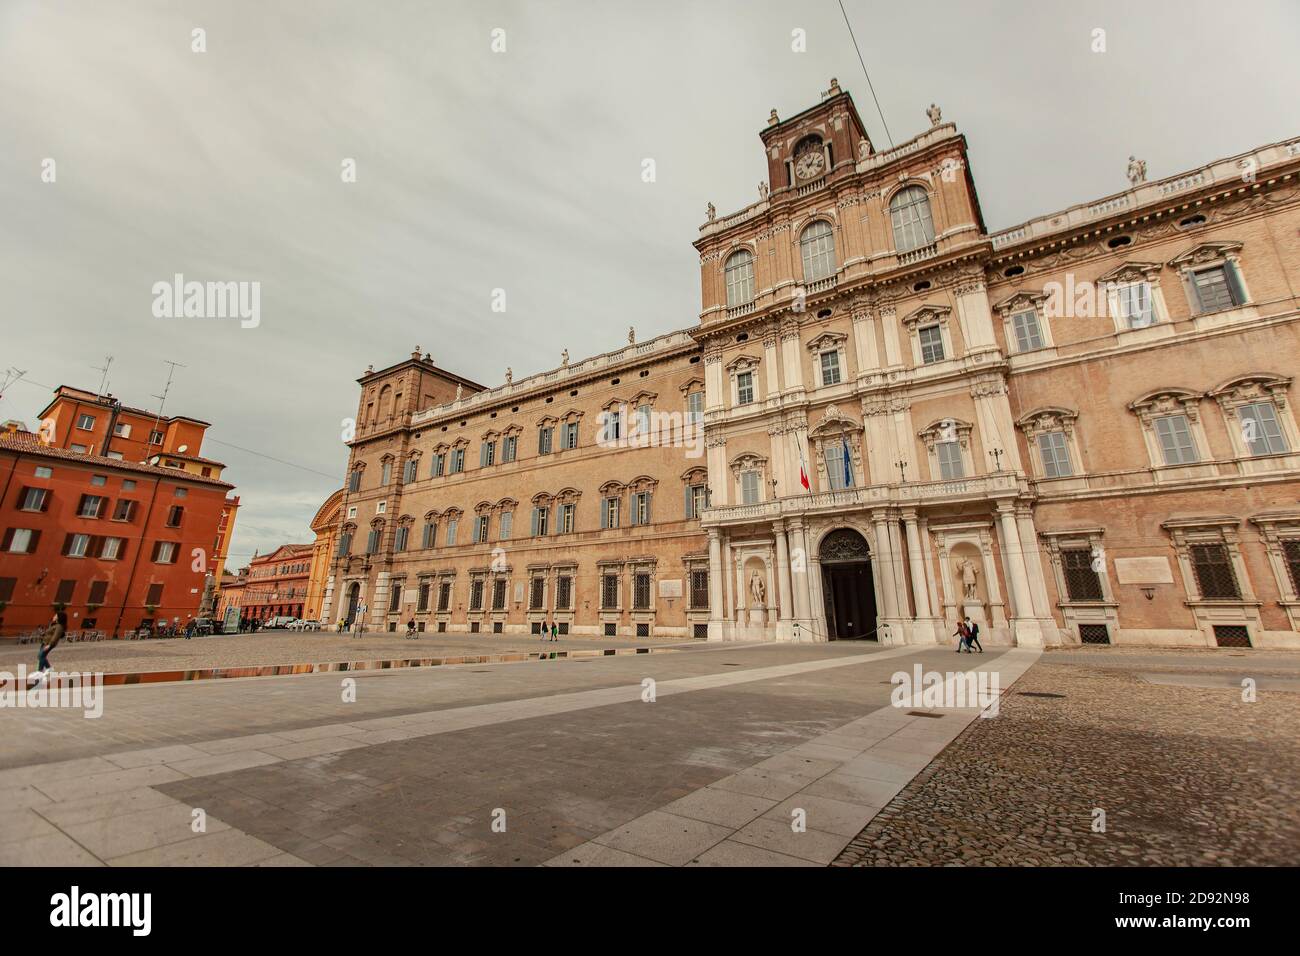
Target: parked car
(303,625)
(279,621)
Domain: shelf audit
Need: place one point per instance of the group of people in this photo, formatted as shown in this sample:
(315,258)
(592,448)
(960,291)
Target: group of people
(968,635)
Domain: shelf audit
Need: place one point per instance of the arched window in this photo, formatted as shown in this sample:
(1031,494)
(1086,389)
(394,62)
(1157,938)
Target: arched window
(818,248)
(740,278)
(910,212)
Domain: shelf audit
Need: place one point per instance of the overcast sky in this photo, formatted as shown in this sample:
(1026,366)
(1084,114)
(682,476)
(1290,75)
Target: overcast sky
(518,170)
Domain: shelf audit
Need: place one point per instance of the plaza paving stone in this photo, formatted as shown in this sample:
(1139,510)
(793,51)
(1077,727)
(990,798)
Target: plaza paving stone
(1187,776)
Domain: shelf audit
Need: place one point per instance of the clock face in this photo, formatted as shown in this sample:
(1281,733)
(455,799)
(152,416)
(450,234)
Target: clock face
(809,164)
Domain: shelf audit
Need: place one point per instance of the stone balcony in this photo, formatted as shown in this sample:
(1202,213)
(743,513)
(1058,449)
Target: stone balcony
(909,494)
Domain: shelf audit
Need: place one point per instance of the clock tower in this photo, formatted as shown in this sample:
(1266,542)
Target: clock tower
(815,144)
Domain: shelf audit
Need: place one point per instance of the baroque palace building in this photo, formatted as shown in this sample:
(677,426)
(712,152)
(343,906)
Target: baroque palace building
(1079,429)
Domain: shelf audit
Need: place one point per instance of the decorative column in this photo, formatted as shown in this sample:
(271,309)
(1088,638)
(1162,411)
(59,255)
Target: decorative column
(864,338)
(1033,562)
(922,627)
(717,613)
(799,578)
(785,609)
(1024,626)
(884,558)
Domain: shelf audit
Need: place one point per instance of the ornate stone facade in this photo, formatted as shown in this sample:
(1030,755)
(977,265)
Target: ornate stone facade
(1108,454)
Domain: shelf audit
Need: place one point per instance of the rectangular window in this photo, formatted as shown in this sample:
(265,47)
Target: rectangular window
(641,592)
(422,596)
(63,594)
(544,440)
(43,472)
(164,552)
(345,543)
(155,438)
(541,517)
(838,469)
(457,460)
(451,531)
(1029,334)
(410,471)
(537,594)
(509,446)
(174,515)
(385,473)
(481,528)
(124,510)
(1055,454)
(1213,290)
(99,481)
(609,513)
(613,429)
(563,592)
(566,518)
(609,591)
(122,430)
(745,388)
(76,545)
(1135,305)
(98,591)
(476,594)
(699,587)
(154,597)
(1175,435)
(1291,555)
(751,492)
(641,508)
(79,449)
(429,535)
(1260,431)
(1213,568)
(20,541)
(931,344)
(91,506)
(444,596)
(354,480)
(499,594)
(695,500)
(439,463)
(128,484)
(34,499)
(504,525)
(695,407)
(1082,583)
(86,422)
(950,463)
(395,595)
(571,435)
(111,549)
(7,586)
(487,454)
(372,541)
(400,538)
(830,368)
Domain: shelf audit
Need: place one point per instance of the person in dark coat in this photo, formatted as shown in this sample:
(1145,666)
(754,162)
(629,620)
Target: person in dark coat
(58,626)
(963,637)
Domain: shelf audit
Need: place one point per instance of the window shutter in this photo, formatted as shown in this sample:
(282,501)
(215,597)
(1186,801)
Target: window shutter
(33,542)
(534,531)
(157,545)
(604,513)
(649,502)
(1193,297)
(96,546)
(482,455)
(7,540)
(67,544)
(45,501)
(687,510)
(1234,283)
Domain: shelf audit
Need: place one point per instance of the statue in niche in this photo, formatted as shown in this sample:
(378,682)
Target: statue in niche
(969,579)
(757,590)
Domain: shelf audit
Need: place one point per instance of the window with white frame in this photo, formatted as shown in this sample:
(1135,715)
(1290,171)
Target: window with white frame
(839,466)
(1177,447)
(745,388)
(1213,278)
(909,212)
(817,247)
(1260,431)
(641,508)
(567,518)
(1258,415)
(751,487)
(1054,451)
(740,278)
(695,407)
(451,531)
(1134,305)
(609,512)
(569,435)
(830,367)
(1027,329)
(931,340)
(509,447)
(950,460)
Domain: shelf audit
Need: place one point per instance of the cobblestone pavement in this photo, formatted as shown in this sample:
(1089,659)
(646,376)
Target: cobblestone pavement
(1186,775)
(292,647)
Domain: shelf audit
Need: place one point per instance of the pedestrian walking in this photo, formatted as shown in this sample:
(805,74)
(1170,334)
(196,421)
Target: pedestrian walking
(546,630)
(58,626)
(963,635)
(972,635)
(555,631)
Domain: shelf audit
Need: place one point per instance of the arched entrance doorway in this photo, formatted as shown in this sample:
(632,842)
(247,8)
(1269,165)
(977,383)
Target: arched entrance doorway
(354,596)
(847,586)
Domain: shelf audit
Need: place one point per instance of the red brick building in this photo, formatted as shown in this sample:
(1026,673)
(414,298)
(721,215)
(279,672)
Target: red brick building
(273,585)
(120,544)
